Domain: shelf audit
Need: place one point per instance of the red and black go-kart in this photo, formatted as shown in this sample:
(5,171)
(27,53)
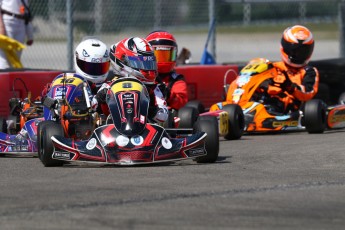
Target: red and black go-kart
(127,138)
(261,114)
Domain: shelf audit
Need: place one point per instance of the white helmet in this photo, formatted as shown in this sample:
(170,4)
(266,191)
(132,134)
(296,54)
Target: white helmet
(92,60)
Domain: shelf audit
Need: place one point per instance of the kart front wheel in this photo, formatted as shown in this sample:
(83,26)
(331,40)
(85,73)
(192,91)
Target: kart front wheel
(39,129)
(315,116)
(188,116)
(209,125)
(236,121)
(45,145)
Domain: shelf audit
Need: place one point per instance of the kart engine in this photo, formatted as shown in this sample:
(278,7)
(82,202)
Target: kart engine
(81,128)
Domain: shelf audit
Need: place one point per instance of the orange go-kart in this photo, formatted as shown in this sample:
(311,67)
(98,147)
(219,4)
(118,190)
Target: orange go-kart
(261,112)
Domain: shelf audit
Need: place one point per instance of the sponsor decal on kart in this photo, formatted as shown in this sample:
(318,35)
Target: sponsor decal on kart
(285,123)
(196,152)
(122,141)
(61,155)
(137,140)
(242,80)
(337,118)
(237,95)
(142,119)
(91,144)
(166,143)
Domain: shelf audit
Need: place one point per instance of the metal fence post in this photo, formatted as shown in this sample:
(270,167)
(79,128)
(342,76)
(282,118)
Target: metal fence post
(213,34)
(247,11)
(158,15)
(98,16)
(69,20)
(341,15)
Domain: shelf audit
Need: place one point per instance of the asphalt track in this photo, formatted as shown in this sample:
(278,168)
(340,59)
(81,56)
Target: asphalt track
(278,181)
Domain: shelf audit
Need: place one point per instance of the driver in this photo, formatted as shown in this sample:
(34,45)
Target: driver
(134,57)
(296,81)
(301,80)
(91,61)
(165,49)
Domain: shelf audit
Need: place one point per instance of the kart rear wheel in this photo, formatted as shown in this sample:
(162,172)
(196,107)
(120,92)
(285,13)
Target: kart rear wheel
(45,146)
(209,125)
(236,121)
(188,116)
(315,116)
(196,104)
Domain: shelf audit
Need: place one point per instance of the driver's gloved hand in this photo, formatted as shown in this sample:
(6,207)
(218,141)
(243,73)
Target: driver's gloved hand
(162,115)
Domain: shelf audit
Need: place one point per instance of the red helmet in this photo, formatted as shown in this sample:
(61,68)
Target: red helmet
(134,57)
(297,45)
(165,48)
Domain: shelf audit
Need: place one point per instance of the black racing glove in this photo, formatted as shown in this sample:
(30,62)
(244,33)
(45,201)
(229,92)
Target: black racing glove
(101,95)
(164,89)
(288,85)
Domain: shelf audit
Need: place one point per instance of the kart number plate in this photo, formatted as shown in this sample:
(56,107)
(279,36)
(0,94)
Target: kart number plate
(223,123)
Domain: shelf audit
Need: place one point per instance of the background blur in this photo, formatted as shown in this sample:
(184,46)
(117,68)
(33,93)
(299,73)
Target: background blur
(244,28)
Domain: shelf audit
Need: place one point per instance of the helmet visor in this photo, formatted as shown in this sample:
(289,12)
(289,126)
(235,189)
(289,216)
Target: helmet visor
(93,68)
(297,53)
(165,54)
(142,62)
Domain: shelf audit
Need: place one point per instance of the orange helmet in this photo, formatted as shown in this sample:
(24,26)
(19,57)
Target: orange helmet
(297,45)
(165,48)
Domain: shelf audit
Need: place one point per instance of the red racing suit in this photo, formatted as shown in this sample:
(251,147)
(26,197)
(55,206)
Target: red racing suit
(176,93)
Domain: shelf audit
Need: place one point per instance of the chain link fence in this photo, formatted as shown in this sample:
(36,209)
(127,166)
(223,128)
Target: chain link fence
(113,20)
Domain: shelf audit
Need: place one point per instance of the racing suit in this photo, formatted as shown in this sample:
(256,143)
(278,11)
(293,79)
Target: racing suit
(175,89)
(293,86)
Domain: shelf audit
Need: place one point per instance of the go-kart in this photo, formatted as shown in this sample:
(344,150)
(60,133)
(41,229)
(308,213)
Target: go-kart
(229,121)
(18,135)
(261,115)
(128,137)
(67,106)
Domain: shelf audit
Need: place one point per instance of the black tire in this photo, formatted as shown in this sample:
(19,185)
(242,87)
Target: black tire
(341,99)
(3,125)
(188,116)
(39,128)
(46,129)
(209,125)
(196,104)
(315,116)
(236,121)
(170,123)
